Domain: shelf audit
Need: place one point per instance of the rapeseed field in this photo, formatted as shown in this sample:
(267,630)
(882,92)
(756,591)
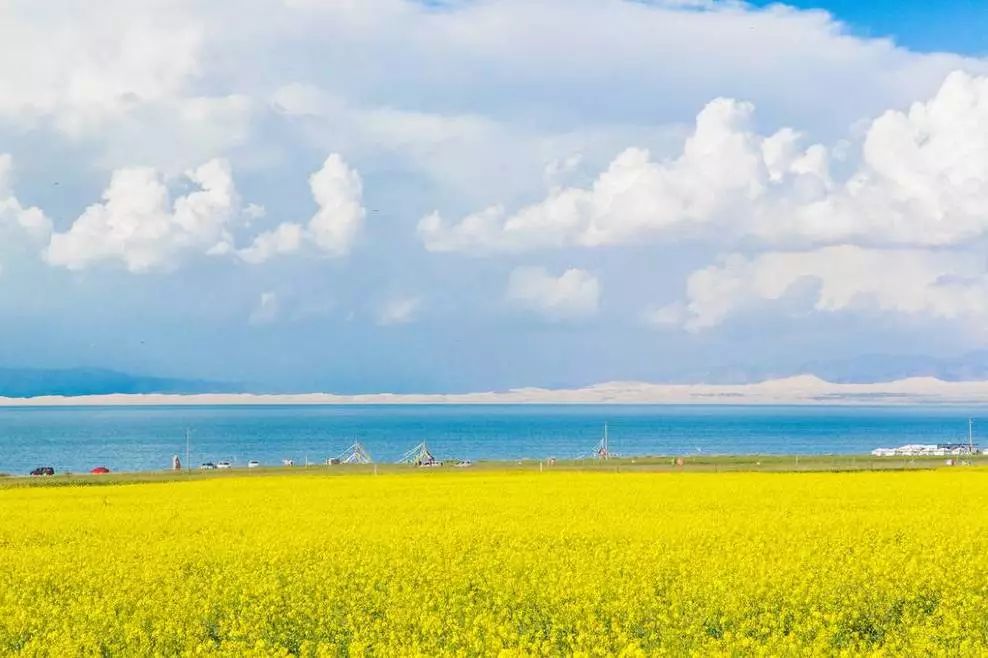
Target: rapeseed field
(500,563)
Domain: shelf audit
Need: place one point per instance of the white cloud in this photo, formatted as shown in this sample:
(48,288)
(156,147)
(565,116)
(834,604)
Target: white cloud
(266,310)
(332,230)
(134,81)
(573,294)
(89,66)
(337,190)
(945,285)
(13,214)
(440,146)
(176,134)
(82,71)
(400,310)
(394,84)
(399,89)
(569,52)
(725,168)
(922,180)
(171,82)
(902,224)
(138,225)
(286,238)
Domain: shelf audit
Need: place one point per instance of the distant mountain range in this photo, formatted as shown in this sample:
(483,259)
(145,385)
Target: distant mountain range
(885,368)
(804,389)
(32,382)
(865,369)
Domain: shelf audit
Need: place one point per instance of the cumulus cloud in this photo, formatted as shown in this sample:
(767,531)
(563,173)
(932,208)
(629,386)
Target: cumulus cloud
(337,190)
(722,165)
(573,294)
(286,238)
(922,180)
(31,220)
(86,69)
(332,230)
(902,225)
(945,285)
(400,310)
(139,225)
(137,222)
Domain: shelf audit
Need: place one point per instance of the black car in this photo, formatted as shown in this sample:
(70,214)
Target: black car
(43,470)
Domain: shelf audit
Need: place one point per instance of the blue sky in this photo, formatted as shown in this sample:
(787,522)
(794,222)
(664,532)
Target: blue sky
(947,25)
(391,196)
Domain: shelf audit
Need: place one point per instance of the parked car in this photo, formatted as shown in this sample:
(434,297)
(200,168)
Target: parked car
(207,466)
(224,465)
(43,470)
(253,463)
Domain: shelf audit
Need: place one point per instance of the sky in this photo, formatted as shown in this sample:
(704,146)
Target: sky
(393,195)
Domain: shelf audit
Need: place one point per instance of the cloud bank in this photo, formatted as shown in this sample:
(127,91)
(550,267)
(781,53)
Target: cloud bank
(750,181)
(911,282)
(922,180)
(893,236)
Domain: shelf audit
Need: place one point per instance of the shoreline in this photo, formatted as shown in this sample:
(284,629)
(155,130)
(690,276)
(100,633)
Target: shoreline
(646,464)
(799,390)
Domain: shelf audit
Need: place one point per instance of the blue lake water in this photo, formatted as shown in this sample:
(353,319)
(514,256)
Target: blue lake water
(145,438)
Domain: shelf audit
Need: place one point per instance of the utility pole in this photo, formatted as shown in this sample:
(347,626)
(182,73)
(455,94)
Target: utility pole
(188,449)
(970,436)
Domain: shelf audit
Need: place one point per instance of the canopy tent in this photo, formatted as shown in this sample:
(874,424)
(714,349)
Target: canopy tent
(419,455)
(355,454)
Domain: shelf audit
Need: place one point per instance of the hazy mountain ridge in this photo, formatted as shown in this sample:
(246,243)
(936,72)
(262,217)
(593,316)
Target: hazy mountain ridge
(865,369)
(802,389)
(34,382)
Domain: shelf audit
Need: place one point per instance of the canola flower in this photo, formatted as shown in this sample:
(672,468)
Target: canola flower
(509,563)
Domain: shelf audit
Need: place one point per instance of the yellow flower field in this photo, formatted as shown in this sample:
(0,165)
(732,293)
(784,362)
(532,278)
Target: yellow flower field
(514,563)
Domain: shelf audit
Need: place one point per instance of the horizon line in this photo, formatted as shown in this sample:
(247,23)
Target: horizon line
(798,389)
